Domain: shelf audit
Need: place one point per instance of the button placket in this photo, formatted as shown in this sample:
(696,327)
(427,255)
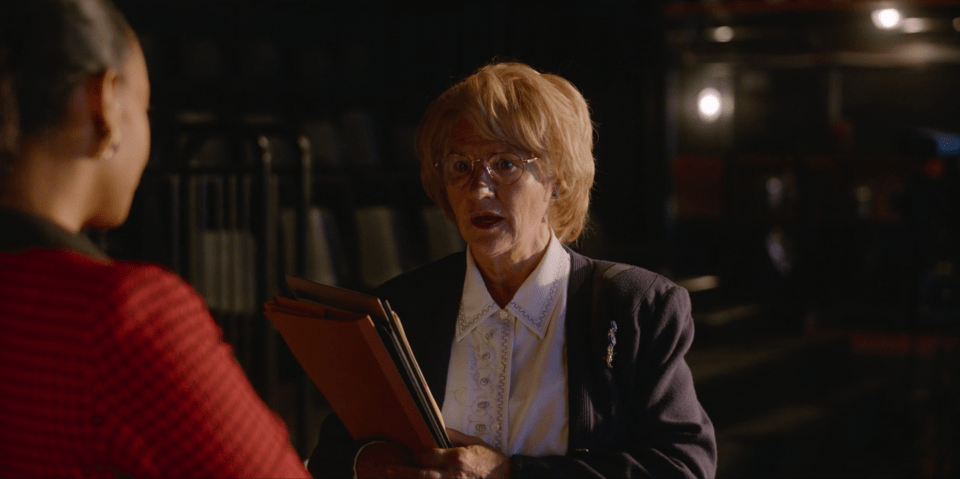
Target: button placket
(503,376)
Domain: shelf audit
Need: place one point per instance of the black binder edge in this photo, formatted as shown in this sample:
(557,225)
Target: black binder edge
(415,381)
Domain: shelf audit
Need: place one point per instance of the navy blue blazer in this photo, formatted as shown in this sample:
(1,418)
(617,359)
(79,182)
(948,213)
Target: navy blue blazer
(640,418)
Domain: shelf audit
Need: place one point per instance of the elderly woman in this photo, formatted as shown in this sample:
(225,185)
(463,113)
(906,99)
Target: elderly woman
(546,363)
(107,368)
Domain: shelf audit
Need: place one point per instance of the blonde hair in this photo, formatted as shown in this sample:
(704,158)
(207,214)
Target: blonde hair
(542,114)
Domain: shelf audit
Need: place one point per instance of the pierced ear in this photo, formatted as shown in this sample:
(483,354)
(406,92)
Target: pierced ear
(558,191)
(103,104)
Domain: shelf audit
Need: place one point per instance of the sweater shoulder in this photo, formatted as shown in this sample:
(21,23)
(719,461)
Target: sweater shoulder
(67,275)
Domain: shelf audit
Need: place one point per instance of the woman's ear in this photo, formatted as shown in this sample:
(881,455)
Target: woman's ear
(559,190)
(103,109)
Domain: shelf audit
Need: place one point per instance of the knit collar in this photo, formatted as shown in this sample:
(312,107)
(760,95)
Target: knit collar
(533,303)
(23,231)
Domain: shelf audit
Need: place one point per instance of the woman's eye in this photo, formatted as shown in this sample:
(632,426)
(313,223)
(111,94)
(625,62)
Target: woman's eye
(505,163)
(461,166)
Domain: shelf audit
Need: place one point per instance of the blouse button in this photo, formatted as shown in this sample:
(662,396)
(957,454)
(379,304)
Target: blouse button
(496,426)
(503,314)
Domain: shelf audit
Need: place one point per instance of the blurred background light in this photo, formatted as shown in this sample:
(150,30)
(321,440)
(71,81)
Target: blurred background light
(722,34)
(916,25)
(920,52)
(774,192)
(956,24)
(947,144)
(709,104)
(778,250)
(887,18)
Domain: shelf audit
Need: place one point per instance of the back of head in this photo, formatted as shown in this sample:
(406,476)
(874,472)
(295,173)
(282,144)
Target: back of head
(537,113)
(47,49)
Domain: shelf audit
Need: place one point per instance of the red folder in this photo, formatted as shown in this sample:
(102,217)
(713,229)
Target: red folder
(354,349)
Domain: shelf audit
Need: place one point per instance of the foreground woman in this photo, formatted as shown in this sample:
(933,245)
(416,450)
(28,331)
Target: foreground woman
(546,363)
(106,368)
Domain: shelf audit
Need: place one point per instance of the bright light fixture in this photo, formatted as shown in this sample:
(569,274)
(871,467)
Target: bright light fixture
(709,103)
(887,18)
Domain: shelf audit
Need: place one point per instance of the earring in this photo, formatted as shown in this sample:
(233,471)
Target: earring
(112,150)
(556,194)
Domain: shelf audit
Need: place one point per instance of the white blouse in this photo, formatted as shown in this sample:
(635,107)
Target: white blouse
(507,378)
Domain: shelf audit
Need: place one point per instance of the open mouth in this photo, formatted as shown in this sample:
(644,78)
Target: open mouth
(485,220)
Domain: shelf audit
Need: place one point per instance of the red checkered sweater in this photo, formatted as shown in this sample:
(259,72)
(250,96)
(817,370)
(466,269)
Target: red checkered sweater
(111,368)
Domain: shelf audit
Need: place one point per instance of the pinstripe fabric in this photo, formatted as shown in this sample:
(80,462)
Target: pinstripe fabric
(110,368)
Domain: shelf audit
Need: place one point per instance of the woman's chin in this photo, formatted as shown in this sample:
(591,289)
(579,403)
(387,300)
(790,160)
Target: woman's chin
(489,247)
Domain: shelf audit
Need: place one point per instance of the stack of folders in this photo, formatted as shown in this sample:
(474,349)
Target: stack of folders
(353,347)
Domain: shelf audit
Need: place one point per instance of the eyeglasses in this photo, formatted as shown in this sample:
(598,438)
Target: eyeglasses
(504,168)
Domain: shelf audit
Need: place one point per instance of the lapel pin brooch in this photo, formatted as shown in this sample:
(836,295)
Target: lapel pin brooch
(611,342)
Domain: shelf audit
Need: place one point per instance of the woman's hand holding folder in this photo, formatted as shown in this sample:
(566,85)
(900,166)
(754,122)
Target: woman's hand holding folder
(469,458)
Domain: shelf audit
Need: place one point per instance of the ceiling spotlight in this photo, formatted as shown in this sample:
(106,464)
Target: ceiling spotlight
(887,18)
(709,104)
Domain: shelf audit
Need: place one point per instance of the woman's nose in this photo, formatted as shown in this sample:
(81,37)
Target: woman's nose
(482,177)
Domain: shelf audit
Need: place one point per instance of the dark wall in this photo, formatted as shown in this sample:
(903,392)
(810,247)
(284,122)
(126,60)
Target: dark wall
(316,59)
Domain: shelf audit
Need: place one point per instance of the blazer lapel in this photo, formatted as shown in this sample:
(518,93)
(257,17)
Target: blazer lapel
(579,338)
(433,353)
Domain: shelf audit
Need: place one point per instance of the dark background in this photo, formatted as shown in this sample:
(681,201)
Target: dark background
(815,222)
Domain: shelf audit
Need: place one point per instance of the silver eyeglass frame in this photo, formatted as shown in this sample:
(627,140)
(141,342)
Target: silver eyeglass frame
(486,165)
